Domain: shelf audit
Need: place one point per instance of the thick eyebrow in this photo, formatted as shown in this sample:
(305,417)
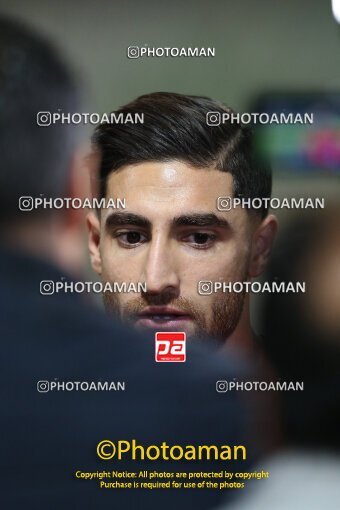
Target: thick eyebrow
(117,219)
(200,220)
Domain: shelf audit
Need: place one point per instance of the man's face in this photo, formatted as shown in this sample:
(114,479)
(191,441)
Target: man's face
(171,236)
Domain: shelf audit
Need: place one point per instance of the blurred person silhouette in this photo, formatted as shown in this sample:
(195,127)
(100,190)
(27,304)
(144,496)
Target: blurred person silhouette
(48,435)
(302,342)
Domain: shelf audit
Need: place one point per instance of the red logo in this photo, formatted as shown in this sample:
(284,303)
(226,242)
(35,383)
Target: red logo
(170,346)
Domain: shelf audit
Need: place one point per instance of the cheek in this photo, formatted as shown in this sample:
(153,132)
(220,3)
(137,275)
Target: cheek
(235,260)
(113,267)
(116,266)
(229,263)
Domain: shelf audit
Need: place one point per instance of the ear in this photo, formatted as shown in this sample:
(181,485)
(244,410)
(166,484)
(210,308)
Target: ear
(70,222)
(262,244)
(78,187)
(93,226)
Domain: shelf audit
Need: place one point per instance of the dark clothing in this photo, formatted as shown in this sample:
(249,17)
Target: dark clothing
(47,437)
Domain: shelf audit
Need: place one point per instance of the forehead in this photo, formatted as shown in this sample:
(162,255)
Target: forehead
(173,183)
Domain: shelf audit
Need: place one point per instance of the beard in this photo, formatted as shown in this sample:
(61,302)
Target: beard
(225,315)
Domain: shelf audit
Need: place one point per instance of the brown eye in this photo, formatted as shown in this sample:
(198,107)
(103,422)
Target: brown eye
(201,238)
(133,237)
(130,239)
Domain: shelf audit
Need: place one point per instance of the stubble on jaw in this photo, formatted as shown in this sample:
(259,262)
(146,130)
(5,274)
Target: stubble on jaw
(226,311)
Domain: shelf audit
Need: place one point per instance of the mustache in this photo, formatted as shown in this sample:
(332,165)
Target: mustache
(184,305)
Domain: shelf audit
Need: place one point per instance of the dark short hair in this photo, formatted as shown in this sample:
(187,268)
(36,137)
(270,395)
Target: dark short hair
(175,128)
(33,78)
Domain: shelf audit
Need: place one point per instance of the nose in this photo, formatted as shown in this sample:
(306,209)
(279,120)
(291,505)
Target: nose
(160,272)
